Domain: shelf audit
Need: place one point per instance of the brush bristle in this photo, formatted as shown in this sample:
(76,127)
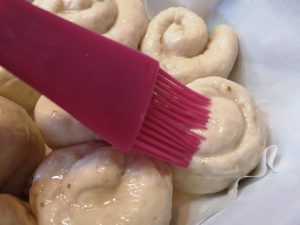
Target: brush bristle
(174,112)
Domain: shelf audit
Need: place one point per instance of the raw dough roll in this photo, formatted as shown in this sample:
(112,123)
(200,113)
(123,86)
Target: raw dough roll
(22,147)
(14,212)
(178,39)
(91,185)
(16,90)
(235,139)
(58,127)
(124,21)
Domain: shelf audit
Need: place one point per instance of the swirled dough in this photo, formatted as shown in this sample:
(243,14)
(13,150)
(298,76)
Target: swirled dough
(235,139)
(14,212)
(178,39)
(91,185)
(124,21)
(21,145)
(58,127)
(16,90)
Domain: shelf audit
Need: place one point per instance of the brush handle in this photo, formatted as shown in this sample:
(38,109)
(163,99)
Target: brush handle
(105,85)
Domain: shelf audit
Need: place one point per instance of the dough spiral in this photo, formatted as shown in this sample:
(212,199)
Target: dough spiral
(178,39)
(235,139)
(89,184)
(124,21)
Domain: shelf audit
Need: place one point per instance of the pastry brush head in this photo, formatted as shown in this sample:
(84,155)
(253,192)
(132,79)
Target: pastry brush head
(167,130)
(117,92)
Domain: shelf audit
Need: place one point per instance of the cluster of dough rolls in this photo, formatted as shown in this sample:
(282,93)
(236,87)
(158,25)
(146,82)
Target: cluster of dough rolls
(236,134)
(86,181)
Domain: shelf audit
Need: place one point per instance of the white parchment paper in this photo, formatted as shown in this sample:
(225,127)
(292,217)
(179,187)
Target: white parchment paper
(192,210)
(269,66)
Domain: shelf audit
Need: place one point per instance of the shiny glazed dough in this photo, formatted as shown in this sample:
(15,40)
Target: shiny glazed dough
(58,127)
(90,184)
(124,21)
(22,147)
(235,139)
(14,212)
(178,39)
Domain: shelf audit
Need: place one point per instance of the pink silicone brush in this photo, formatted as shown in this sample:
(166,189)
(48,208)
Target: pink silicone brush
(119,93)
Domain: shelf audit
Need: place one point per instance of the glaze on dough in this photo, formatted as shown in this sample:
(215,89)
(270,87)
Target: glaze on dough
(124,21)
(235,139)
(90,184)
(178,39)
(58,127)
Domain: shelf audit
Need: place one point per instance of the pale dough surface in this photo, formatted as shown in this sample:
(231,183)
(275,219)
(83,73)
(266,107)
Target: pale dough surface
(235,139)
(90,184)
(179,40)
(58,127)
(124,21)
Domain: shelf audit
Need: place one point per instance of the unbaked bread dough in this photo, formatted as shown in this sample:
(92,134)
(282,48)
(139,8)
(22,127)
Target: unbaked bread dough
(90,184)
(58,127)
(22,147)
(235,139)
(16,90)
(14,211)
(124,21)
(178,39)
